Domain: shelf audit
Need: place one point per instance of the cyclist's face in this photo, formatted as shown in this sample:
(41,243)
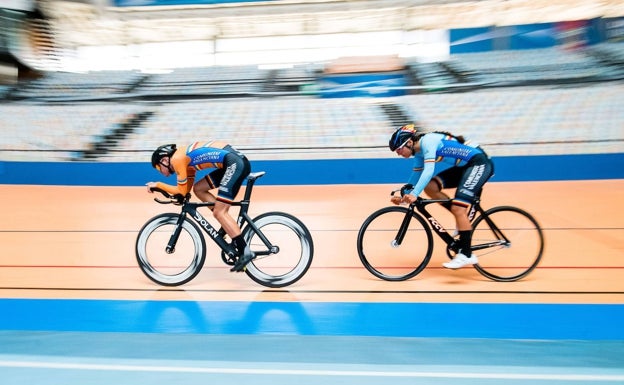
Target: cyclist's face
(405,151)
(163,166)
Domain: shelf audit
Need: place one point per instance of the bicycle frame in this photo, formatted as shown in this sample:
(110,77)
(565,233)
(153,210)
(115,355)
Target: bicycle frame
(420,206)
(190,209)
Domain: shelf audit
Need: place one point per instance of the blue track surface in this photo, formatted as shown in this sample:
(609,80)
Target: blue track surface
(460,320)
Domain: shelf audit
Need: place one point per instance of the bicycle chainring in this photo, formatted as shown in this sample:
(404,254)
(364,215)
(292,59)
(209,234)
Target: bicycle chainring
(227,259)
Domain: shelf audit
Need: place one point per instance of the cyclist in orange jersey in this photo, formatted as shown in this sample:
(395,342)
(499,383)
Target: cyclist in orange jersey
(231,168)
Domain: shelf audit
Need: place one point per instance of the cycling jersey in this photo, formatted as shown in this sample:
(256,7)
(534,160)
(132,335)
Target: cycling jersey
(439,152)
(232,167)
(204,155)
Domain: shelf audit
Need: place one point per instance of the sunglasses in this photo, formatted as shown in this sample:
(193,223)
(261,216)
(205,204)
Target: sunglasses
(160,165)
(402,145)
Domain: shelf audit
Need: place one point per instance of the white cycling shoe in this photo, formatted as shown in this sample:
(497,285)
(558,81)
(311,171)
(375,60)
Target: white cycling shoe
(460,261)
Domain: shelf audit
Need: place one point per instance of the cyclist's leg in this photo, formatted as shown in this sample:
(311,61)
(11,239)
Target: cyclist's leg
(236,168)
(468,190)
(446,179)
(434,189)
(202,188)
(231,177)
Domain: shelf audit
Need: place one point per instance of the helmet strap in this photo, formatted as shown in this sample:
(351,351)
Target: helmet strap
(169,167)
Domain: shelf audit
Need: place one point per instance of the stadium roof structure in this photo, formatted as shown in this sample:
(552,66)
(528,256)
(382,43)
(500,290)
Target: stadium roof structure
(99,22)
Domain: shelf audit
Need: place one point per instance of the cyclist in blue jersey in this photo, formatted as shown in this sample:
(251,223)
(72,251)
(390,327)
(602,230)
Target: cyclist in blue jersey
(231,169)
(442,160)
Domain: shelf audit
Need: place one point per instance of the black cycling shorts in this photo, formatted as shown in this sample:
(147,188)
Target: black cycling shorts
(235,169)
(468,179)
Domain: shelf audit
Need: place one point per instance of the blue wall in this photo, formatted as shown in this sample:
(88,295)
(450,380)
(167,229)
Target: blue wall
(303,172)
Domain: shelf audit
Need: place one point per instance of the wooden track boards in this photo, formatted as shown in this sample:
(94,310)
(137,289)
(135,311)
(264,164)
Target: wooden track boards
(78,242)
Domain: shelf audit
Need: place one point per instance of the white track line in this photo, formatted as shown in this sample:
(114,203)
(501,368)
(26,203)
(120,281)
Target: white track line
(307,372)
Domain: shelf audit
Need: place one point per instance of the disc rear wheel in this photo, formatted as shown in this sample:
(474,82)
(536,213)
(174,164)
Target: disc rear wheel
(283,248)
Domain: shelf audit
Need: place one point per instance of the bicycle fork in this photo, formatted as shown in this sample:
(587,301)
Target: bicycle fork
(173,240)
(396,242)
(434,224)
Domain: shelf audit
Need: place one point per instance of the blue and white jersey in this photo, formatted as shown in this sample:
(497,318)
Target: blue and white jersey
(438,152)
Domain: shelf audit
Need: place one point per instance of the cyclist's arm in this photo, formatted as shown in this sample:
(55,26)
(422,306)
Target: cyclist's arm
(185,176)
(421,178)
(426,159)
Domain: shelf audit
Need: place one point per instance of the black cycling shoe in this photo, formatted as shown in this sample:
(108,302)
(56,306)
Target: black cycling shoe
(243,260)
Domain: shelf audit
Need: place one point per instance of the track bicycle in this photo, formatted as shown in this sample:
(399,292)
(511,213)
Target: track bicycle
(395,243)
(171,248)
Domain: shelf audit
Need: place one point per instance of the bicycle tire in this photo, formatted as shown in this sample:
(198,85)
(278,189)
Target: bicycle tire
(378,251)
(513,261)
(178,267)
(292,256)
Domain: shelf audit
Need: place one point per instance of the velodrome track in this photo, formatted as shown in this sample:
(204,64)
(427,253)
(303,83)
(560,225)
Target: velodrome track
(76,308)
(78,242)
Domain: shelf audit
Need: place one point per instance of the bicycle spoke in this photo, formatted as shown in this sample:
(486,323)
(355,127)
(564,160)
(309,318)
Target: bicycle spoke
(515,256)
(387,257)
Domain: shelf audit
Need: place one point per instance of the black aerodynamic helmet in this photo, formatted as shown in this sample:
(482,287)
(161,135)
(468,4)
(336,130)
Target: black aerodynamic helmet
(401,136)
(161,152)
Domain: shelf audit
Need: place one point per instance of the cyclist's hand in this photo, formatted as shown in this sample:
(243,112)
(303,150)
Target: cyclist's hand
(406,189)
(396,199)
(409,199)
(150,186)
(179,199)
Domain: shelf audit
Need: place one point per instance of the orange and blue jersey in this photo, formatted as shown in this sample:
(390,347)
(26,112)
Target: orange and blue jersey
(196,156)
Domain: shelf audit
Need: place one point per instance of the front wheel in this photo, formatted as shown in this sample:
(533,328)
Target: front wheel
(178,266)
(508,242)
(395,243)
(283,247)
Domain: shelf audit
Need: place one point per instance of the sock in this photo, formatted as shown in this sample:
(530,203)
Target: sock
(464,242)
(240,243)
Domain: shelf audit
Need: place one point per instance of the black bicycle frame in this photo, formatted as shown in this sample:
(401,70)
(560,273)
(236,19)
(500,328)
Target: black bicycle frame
(190,209)
(497,232)
(434,224)
(448,239)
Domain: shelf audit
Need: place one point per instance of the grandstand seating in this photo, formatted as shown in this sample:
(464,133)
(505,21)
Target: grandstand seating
(508,121)
(493,68)
(83,86)
(56,132)
(432,74)
(267,126)
(205,80)
(613,48)
(216,81)
(519,67)
(583,97)
(513,120)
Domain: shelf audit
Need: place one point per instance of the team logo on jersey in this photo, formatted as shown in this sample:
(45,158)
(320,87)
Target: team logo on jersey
(207,157)
(475,176)
(229,172)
